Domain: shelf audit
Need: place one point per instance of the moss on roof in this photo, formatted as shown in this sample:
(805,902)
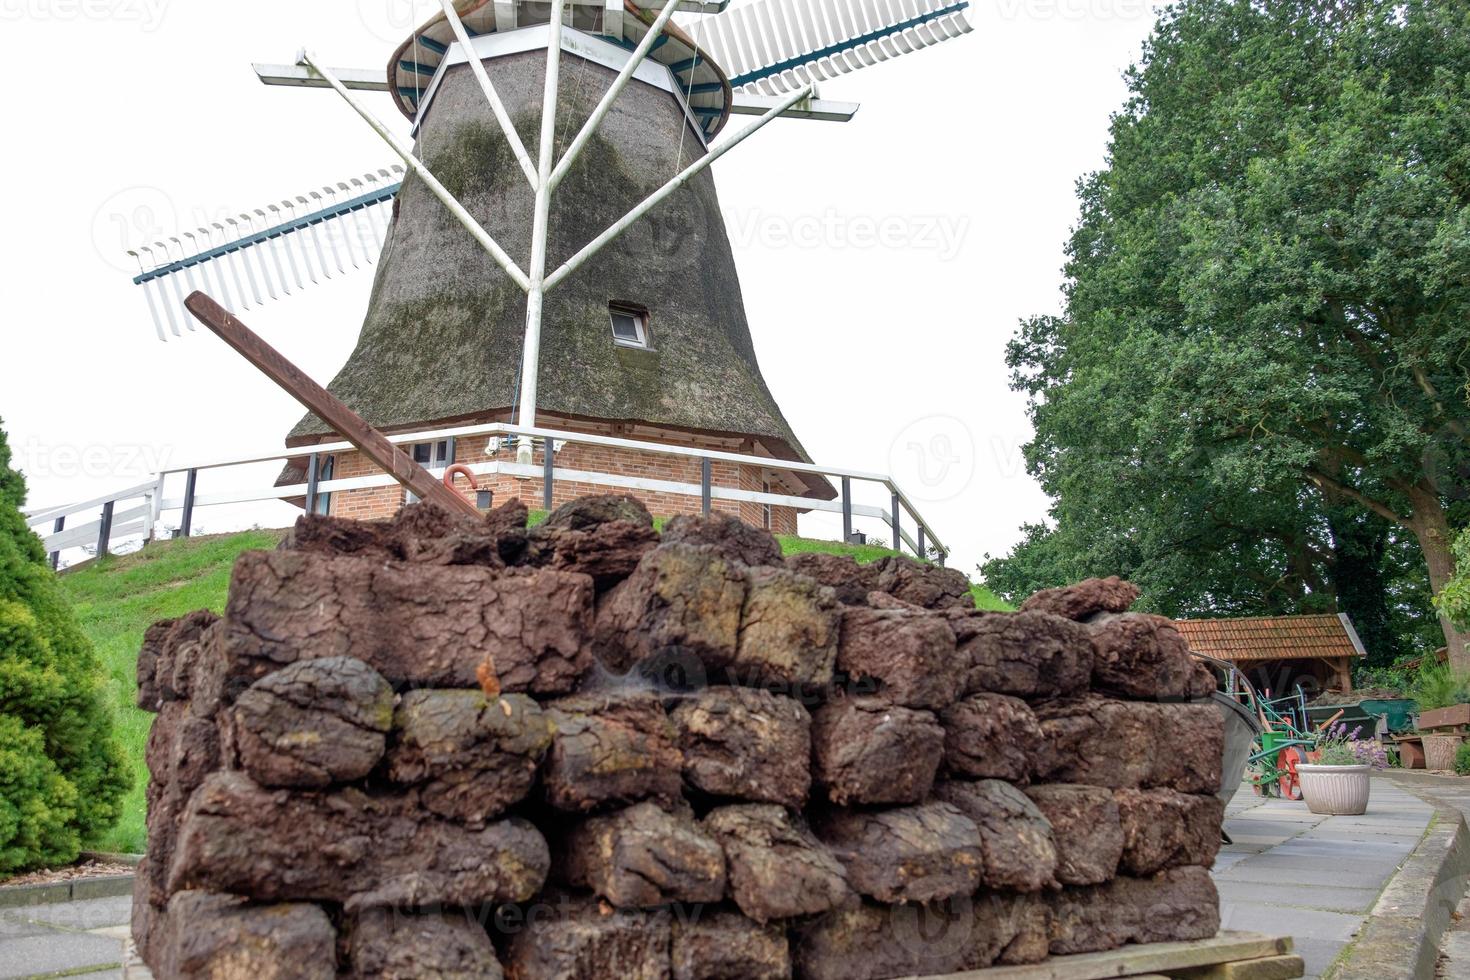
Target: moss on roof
(443,336)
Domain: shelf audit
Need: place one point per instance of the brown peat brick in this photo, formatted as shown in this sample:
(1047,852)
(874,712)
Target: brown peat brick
(1138,656)
(1085,599)
(1176,906)
(679,598)
(586,939)
(394,944)
(789,628)
(850,581)
(349,848)
(1163,829)
(865,751)
(728,536)
(472,757)
(746,744)
(611,750)
(777,868)
(418,625)
(166,660)
(723,945)
(313,723)
(878,942)
(919,854)
(991,736)
(909,653)
(1016,840)
(1132,744)
(1027,655)
(924,585)
(1087,830)
(644,857)
(224,937)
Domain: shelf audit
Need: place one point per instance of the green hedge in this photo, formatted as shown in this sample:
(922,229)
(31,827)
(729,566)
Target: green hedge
(62,776)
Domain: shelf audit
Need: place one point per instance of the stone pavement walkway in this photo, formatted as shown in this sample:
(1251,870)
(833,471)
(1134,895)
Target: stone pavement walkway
(80,940)
(1314,878)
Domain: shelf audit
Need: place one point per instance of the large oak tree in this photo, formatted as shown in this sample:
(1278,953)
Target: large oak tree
(1258,387)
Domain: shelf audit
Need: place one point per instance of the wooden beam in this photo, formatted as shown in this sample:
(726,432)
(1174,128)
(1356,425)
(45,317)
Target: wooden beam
(325,405)
(1169,959)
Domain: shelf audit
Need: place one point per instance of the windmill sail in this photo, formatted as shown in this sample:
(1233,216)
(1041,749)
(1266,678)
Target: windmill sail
(269,252)
(777,46)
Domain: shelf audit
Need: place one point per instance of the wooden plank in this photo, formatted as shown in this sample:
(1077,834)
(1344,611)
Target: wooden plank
(1135,961)
(326,406)
(1266,968)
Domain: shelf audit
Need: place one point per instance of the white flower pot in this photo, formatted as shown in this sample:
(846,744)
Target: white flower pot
(1336,790)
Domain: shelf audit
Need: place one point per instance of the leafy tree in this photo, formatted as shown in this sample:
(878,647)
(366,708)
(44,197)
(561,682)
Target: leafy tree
(61,772)
(1256,384)
(1454,599)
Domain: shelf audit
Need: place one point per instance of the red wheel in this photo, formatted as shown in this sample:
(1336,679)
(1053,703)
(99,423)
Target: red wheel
(1291,786)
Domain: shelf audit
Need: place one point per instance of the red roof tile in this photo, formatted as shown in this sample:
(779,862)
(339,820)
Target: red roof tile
(1272,637)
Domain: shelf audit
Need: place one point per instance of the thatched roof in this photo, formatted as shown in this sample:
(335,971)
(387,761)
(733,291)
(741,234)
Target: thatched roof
(443,336)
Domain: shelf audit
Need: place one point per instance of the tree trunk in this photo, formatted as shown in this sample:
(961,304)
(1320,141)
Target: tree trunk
(1431,526)
(1359,538)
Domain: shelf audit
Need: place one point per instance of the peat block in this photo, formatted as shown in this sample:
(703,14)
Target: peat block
(991,736)
(924,585)
(611,750)
(1132,744)
(1017,843)
(866,751)
(166,660)
(422,533)
(608,553)
(726,535)
(472,757)
(1176,906)
(1139,656)
(348,847)
(746,744)
(417,625)
(920,854)
(1027,655)
(789,628)
(849,581)
(223,937)
(644,857)
(723,945)
(1087,830)
(1085,599)
(1163,829)
(584,939)
(776,867)
(392,944)
(314,723)
(909,653)
(679,598)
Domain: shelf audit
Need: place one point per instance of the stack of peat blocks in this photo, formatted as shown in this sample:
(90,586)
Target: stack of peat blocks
(441,747)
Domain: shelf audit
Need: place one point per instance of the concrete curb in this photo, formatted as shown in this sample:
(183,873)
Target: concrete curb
(77,890)
(1401,936)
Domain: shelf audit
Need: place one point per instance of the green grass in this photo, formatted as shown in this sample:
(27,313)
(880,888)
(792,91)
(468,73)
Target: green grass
(117,599)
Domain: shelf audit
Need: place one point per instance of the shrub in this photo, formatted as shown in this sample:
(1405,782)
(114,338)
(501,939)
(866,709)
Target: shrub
(1462,760)
(1437,686)
(62,775)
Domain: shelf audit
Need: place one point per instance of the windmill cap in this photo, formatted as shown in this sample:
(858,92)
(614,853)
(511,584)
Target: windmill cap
(704,83)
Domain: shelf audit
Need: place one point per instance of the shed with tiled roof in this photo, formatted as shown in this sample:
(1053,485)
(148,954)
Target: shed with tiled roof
(1322,646)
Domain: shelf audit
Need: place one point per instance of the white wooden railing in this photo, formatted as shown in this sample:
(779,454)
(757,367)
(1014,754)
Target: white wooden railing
(138,510)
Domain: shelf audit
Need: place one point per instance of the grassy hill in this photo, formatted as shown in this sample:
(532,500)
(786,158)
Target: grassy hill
(117,599)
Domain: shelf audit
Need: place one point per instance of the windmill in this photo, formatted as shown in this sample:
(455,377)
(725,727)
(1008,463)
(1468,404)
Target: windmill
(591,280)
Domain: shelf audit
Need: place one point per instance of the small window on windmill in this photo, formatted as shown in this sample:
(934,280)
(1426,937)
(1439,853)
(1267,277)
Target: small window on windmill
(629,325)
(430,455)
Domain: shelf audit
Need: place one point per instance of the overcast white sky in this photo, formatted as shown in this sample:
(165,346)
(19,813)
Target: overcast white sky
(133,118)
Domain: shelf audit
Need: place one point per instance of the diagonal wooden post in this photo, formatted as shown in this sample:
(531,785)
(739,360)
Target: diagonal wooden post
(325,405)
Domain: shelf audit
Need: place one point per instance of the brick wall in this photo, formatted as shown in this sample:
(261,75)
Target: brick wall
(381,502)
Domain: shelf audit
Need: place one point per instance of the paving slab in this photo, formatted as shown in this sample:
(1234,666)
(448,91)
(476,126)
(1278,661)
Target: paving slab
(1314,877)
(66,938)
(57,952)
(77,916)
